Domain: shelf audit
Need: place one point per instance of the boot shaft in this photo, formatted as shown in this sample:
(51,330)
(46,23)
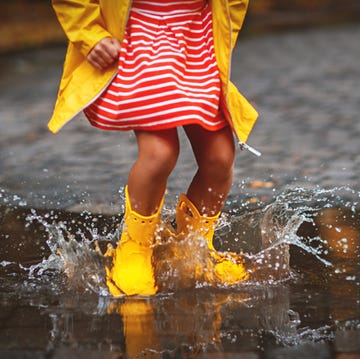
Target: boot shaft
(139,228)
(189,219)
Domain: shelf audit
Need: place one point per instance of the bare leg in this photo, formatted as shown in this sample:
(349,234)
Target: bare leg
(158,153)
(214,153)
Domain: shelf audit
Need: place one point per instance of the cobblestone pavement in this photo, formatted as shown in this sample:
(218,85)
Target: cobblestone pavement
(305,86)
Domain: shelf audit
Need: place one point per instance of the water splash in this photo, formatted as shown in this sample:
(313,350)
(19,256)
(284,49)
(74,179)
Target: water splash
(292,334)
(77,255)
(263,237)
(321,223)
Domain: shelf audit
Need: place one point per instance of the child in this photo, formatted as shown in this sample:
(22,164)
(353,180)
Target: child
(151,66)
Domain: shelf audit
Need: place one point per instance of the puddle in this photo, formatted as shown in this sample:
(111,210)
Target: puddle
(302,250)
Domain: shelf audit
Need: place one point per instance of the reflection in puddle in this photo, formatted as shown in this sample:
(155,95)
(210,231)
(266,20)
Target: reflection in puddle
(302,251)
(339,228)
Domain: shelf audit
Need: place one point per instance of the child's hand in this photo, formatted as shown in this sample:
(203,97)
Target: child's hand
(104,53)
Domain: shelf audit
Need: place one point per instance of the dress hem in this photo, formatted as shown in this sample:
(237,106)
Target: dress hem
(166,126)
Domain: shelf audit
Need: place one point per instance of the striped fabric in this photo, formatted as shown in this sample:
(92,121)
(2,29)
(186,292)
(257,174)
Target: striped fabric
(167,74)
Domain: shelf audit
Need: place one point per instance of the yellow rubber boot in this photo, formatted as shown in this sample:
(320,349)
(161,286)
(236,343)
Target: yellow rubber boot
(132,270)
(228,268)
(188,219)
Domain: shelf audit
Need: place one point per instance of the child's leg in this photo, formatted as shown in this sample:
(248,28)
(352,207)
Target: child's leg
(199,210)
(158,153)
(214,153)
(132,270)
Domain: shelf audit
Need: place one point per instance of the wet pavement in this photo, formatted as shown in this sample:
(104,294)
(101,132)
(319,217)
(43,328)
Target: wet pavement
(305,86)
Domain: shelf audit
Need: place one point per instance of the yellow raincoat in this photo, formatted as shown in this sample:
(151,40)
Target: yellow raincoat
(86,22)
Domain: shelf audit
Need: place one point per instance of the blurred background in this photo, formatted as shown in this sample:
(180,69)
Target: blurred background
(29,23)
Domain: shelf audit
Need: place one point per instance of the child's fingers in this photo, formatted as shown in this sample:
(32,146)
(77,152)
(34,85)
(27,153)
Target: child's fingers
(112,47)
(116,44)
(96,61)
(104,53)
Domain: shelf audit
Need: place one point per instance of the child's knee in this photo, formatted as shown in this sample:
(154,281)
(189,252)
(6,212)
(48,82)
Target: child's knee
(160,160)
(218,164)
(166,158)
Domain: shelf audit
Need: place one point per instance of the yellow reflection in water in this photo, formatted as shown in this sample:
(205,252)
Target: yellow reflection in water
(338,228)
(149,324)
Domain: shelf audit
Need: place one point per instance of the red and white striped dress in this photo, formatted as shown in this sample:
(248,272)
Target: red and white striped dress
(167,74)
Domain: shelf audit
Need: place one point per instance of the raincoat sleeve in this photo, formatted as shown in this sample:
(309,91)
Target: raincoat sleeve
(82,22)
(237,10)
